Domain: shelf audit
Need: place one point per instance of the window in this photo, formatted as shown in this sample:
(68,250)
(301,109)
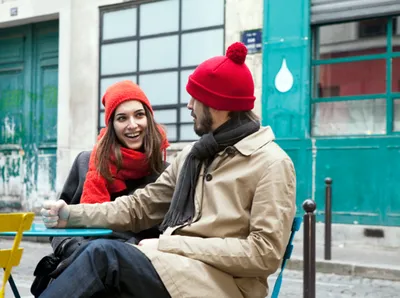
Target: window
(355,80)
(374,27)
(396,122)
(329,91)
(158,44)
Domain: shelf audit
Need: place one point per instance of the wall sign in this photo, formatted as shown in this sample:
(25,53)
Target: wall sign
(13,11)
(284,78)
(253,40)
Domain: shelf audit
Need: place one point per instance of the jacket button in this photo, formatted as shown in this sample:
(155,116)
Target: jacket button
(230,150)
(208,177)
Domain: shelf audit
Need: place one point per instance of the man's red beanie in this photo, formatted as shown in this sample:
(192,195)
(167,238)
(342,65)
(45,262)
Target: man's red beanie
(224,82)
(120,92)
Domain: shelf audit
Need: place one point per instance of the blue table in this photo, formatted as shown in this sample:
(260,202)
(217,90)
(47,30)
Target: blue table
(40,230)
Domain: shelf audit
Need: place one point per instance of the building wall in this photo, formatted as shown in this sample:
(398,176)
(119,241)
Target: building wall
(83,92)
(240,16)
(78,96)
(78,67)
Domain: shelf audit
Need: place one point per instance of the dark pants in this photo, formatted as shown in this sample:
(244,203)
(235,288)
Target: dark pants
(108,268)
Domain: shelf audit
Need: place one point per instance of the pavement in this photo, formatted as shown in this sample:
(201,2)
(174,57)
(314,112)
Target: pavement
(352,272)
(337,286)
(23,274)
(374,262)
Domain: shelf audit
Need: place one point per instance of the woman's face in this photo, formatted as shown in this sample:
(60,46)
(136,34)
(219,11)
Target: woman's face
(130,123)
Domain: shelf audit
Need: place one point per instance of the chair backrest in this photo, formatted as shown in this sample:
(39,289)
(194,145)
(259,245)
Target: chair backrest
(13,222)
(288,253)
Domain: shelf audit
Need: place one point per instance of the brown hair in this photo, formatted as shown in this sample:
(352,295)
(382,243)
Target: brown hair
(249,115)
(109,144)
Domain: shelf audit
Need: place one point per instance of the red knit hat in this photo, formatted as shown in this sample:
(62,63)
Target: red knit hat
(224,82)
(120,92)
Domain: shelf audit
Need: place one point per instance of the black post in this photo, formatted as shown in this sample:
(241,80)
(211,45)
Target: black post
(309,207)
(328,218)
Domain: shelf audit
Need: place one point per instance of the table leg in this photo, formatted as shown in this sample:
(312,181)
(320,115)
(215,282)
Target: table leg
(13,287)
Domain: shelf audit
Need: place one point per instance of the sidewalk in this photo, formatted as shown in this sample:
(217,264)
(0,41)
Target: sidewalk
(362,261)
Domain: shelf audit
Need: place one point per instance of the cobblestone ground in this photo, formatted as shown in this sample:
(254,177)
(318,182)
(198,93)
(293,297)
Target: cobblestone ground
(337,286)
(328,285)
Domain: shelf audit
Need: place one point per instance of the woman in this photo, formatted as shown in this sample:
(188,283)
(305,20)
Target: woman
(129,148)
(130,152)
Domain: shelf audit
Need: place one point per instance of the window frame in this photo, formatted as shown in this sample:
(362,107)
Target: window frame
(180,104)
(389,95)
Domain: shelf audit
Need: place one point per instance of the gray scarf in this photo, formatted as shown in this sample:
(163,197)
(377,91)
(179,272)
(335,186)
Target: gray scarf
(181,210)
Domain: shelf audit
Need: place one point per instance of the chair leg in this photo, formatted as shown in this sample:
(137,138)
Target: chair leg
(13,287)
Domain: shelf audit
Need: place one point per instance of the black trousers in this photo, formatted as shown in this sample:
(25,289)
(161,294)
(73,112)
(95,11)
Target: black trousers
(108,268)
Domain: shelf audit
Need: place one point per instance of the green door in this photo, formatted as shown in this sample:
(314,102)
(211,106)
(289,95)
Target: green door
(28,114)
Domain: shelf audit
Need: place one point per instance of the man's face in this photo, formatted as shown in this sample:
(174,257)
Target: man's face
(202,118)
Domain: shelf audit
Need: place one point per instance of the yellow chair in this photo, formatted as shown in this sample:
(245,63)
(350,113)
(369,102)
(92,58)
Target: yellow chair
(13,222)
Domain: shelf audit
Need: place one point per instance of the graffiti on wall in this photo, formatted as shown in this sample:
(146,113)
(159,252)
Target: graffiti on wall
(27,148)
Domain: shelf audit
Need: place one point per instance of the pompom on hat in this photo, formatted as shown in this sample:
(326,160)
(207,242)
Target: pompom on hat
(224,82)
(120,92)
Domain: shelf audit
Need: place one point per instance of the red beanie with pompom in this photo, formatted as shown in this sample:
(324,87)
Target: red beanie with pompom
(224,82)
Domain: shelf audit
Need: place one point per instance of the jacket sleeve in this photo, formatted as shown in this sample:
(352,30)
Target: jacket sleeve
(271,218)
(72,190)
(145,208)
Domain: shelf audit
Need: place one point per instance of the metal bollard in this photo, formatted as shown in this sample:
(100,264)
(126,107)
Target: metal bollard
(309,207)
(328,218)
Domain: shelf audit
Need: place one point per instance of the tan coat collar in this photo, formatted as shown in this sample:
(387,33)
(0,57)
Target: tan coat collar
(253,142)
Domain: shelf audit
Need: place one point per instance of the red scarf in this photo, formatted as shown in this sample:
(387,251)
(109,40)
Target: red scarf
(135,165)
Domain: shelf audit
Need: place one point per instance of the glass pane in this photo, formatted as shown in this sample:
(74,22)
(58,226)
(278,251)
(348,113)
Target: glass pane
(185,115)
(356,117)
(121,23)
(396,34)
(187,133)
(160,88)
(102,119)
(105,83)
(118,58)
(185,97)
(171,132)
(396,115)
(199,46)
(167,13)
(396,74)
(202,13)
(158,53)
(360,38)
(165,116)
(352,78)
(315,43)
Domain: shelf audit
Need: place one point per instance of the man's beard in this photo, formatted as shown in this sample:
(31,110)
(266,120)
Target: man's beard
(206,123)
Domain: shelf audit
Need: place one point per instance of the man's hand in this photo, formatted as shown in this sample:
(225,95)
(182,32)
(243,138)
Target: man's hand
(55,214)
(151,243)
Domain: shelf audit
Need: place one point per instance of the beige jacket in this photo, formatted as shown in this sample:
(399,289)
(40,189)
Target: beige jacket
(245,205)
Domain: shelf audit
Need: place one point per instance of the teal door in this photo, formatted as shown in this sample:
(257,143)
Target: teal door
(28,114)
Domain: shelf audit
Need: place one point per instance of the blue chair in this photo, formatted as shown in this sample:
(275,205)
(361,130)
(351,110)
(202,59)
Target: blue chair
(288,253)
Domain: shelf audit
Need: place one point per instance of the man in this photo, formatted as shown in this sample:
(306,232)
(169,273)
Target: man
(225,205)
